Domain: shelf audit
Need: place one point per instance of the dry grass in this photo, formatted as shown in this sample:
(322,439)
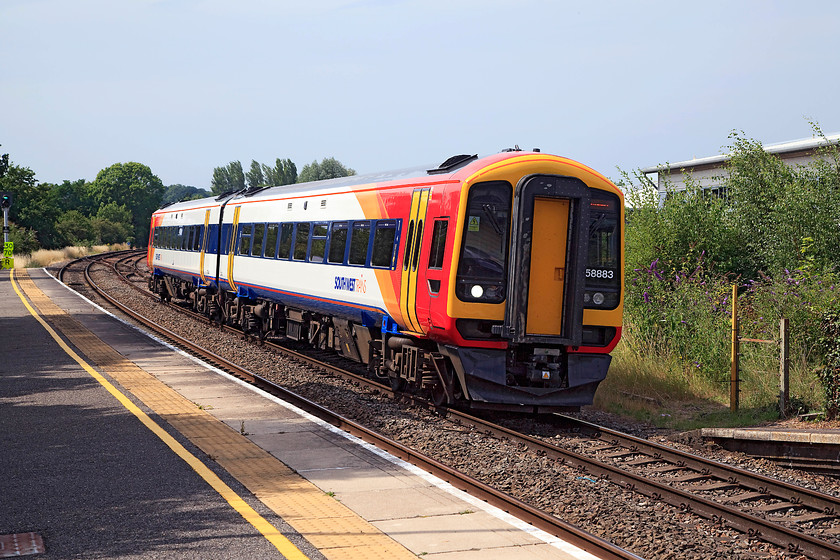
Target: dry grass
(47,257)
(662,391)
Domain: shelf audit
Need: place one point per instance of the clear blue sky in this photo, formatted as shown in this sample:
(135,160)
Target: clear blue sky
(184,86)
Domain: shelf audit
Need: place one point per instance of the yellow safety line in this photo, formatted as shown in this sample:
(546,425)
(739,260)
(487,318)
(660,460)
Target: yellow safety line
(284,545)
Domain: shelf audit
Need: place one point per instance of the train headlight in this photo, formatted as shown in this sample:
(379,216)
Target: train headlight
(477,291)
(598,298)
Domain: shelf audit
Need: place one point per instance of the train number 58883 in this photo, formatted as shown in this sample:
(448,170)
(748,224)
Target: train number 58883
(600,273)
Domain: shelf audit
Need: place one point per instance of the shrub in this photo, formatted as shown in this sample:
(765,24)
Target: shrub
(829,374)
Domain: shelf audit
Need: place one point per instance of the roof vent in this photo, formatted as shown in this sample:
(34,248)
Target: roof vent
(452,164)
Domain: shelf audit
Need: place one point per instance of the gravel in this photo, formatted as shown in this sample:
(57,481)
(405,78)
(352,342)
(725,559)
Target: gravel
(648,528)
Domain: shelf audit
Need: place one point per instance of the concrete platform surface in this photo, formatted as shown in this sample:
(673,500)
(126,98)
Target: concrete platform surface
(423,514)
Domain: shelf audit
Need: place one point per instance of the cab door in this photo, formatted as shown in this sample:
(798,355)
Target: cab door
(548,258)
(547,277)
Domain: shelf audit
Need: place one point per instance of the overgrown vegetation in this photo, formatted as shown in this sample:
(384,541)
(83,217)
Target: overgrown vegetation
(774,235)
(47,257)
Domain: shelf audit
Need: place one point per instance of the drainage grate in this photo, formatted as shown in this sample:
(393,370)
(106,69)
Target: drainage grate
(21,544)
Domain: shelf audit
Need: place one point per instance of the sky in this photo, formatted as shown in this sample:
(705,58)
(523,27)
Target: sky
(184,86)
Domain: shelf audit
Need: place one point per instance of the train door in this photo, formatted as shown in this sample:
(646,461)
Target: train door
(411,261)
(202,271)
(547,275)
(547,261)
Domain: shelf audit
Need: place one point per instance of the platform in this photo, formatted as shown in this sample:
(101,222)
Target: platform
(327,494)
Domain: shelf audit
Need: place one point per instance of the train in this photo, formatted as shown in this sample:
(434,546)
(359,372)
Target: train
(489,282)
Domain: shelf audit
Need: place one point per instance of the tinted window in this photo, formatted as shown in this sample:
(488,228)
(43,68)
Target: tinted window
(418,238)
(319,243)
(245,240)
(301,241)
(384,239)
(408,244)
(438,244)
(285,249)
(199,231)
(338,242)
(484,249)
(359,243)
(270,240)
(257,245)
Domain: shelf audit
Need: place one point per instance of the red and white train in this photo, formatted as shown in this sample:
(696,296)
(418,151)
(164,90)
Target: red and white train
(494,282)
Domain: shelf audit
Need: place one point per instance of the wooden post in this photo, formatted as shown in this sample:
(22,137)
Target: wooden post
(733,374)
(784,367)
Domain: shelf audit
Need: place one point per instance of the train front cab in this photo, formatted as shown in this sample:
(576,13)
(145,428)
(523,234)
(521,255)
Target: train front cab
(537,295)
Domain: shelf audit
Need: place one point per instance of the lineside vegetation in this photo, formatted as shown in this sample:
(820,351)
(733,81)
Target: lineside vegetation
(775,234)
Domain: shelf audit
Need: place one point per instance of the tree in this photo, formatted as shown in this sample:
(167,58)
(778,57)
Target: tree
(178,192)
(329,168)
(74,228)
(74,195)
(34,206)
(134,185)
(255,176)
(227,178)
(4,164)
(284,172)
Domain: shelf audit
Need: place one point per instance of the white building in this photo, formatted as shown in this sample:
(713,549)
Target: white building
(709,172)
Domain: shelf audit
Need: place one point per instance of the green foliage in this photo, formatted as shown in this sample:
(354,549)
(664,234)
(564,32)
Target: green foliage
(34,205)
(112,224)
(178,192)
(777,206)
(255,175)
(329,168)
(284,172)
(75,229)
(227,178)
(24,239)
(829,373)
(74,195)
(134,185)
(775,234)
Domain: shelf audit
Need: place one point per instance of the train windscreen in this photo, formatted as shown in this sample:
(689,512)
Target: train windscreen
(482,269)
(603,261)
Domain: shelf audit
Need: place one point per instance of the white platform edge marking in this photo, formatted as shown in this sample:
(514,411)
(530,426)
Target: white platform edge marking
(435,481)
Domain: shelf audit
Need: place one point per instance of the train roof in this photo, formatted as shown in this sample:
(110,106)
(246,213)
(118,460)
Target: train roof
(449,167)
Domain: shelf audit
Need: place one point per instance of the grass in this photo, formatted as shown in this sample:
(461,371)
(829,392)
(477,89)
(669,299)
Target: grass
(47,257)
(663,391)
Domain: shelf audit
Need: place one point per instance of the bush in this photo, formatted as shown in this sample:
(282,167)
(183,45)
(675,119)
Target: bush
(829,374)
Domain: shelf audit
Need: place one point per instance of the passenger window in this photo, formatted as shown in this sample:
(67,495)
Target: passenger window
(257,245)
(245,240)
(338,242)
(384,239)
(359,243)
(438,244)
(319,243)
(301,241)
(188,236)
(285,250)
(270,241)
(198,238)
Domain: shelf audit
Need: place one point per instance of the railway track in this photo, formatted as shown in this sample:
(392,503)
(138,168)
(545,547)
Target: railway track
(536,517)
(802,522)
